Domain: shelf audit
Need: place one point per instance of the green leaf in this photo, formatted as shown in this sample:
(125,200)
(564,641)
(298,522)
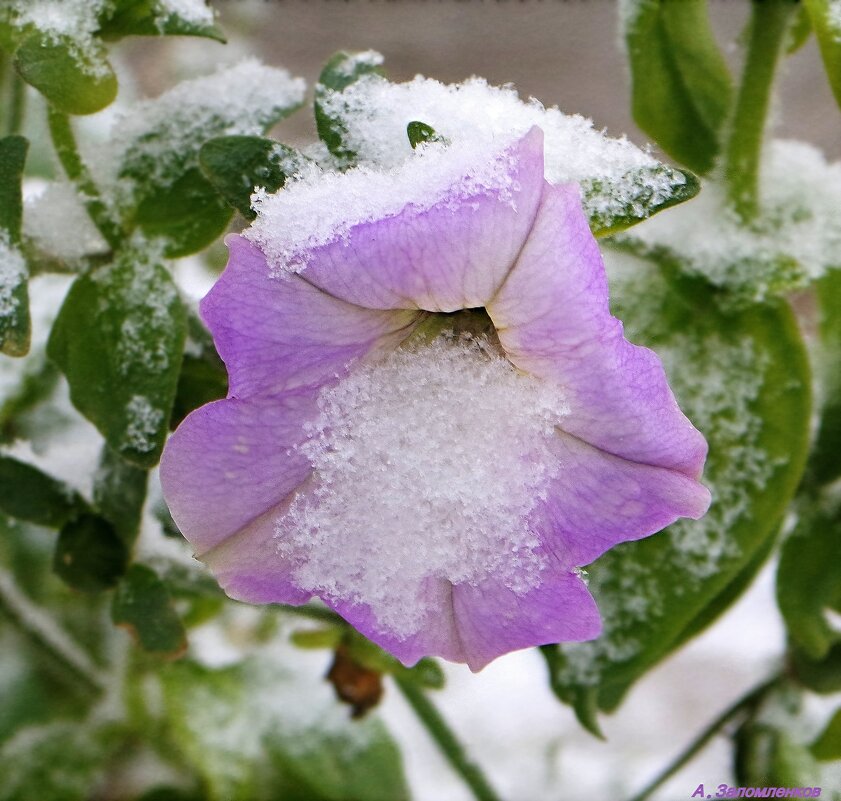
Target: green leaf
(75,80)
(54,762)
(154,18)
(800,30)
(420,133)
(119,492)
(825,459)
(143,604)
(742,377)
(119,338)
(681,89)
(827,747)
(256,731)
(820,675)
(767,755)
(15,326)
(89,555)
(187,214)
(613,208)
(235,165)
(28,494)
(827,24)
(342,70)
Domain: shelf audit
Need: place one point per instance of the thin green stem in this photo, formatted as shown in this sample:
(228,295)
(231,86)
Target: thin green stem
(17,104)
(748,702)
(64,141)
(452,749)
(34,623)
(766,35)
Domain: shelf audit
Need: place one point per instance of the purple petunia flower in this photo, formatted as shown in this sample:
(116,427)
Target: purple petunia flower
(437,480)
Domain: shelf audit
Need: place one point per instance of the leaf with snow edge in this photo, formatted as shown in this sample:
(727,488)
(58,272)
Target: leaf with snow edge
(825,459)
(800,30)
(742,377)
(90,556)
(826,20)
(607,215)
(621,183)
(236,165)
(142,604)
(159,18)
(255,731)
(187,215)
(827,746)
(809,580)
(342,70)
(794,240)
(15,325)
(119,339)
(119,492)
(28,494)
(74,80)
(60,761)
(681,88)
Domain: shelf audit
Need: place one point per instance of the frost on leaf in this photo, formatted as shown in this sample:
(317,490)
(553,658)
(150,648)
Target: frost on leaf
(621,183)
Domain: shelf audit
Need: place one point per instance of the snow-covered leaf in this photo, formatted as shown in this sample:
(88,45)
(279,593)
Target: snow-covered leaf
(680,86)
(621,184)
(256,732)
(75,80)
(160,17)
(743,379)
(119,339)
(119,491)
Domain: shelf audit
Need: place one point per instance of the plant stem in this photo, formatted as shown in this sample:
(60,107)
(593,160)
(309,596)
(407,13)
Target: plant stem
(64,141)
(41,629)
(17,104)
(452,749)
(746,703)
(767,30)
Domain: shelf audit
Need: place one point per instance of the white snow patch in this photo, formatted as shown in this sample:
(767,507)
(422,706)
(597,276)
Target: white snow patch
(12,273)
(427,465)
(143,422)
(193,12)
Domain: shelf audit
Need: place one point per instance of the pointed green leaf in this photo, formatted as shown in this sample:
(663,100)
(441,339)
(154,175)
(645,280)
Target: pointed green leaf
(119,338)
(236,165)
(826,20)
(15,327)
(743,379)
(89,555)
(143,604)
(827,747)
(419,133)
(157,18)
(681,88)
(820,675)
(339,72)
(28,494)
(75,80)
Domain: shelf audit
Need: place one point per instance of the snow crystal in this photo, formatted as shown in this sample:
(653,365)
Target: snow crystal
(12,272)
(796,238)
(427,465)
(159,135)
(143,422)
(56,219)
(193,12)
(317,207)
(615,174)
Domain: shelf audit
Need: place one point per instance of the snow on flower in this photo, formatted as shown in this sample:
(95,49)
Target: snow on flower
(433,419)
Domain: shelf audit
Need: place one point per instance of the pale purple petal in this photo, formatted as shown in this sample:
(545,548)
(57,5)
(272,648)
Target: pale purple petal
(452,256)
(279,333)
(231,461)
(553,321)
(598,500)
(493,620)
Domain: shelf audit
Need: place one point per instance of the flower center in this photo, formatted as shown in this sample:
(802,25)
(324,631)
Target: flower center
(427,466)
